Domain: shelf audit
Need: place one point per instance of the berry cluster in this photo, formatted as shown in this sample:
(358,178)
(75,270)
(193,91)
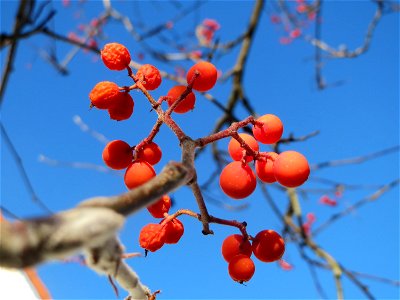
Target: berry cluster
(237,179)
(139,161)
(267,246)
(117,100)
(289,168)
(169,231)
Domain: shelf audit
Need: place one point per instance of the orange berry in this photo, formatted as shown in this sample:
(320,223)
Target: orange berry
(291,169)
(117,155)
(241,268)
(152,237)
(265,168)
(268,246)
(159,208)
(150,75)
(104,94)
(270,132)
(235,244)
(237,180)
(236,151)
(150,153)
(207,76)
(138,173)
(173,231)
(186,104)
(115,56)
(123,108)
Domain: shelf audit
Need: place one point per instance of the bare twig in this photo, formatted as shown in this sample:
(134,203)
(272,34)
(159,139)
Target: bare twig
(333,218)
(22,170)
(355,160)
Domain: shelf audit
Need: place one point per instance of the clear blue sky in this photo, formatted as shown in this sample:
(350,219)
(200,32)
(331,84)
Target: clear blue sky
(359,117)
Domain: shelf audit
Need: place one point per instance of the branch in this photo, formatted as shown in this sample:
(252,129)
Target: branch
(171,177)
(22,19)
(356,205)
(33,241)
(345,53)
(354,160)
(21,168)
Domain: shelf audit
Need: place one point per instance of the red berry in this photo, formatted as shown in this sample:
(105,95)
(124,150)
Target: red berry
(265,168)
(123,108)
(138,173)
(104,94)
(159,208)
(235,244)
(237,180)
(268,246)
(241,268)
(115,56)
(173,231)
(117,155)
(270,132)
(152,237)
(291,169)
(150,75)
(207,76)
(236,151)
(150,153)
(186,104)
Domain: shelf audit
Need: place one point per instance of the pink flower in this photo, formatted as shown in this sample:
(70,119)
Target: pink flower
(196,54)
(211,24)
(285,265)
(275,19)
(206,30)
(301,8)
(169,24)
(66,3)
(327,201)
(311,218)
(285,40)
(311,15)
(295,33)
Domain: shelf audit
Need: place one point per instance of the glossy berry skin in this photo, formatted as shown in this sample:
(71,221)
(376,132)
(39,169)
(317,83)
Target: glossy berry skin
(123,107)
(186,104)
(291,169)
(234,245)
(268,246)
(151,153)
(207,76)
(104,94)
(173,231)
(241,268)
(152,237)
(150,75)
(117,155)
(270,132)
(159,208)
(265,168)
(237,180)
(115,56)
(236,151)
(138,173)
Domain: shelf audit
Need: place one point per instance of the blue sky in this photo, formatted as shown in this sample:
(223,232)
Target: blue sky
(357,118)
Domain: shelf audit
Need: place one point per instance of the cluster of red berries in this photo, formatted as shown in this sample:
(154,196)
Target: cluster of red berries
(169,231)
(117,100)
(289,168)
(237,179)
(267,246)
(139,162)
